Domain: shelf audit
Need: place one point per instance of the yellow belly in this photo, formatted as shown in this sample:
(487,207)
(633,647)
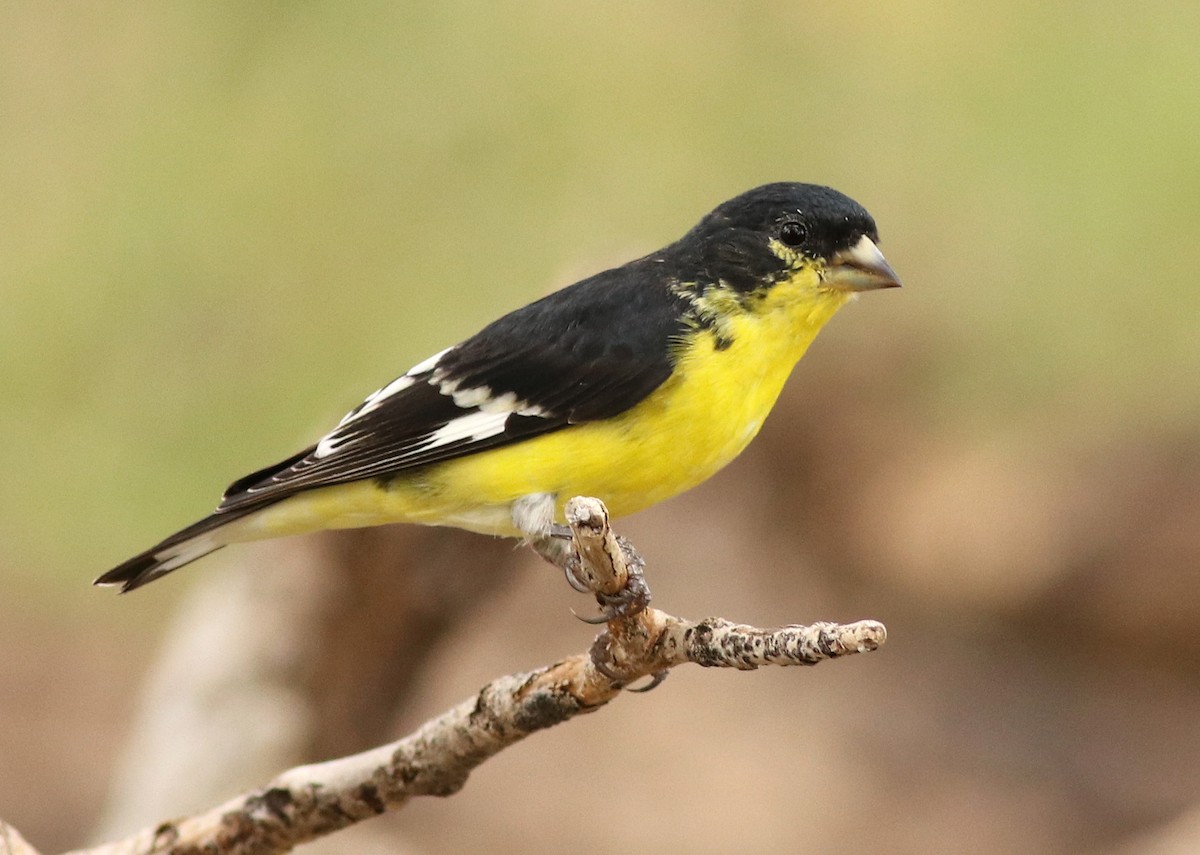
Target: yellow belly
(684,432)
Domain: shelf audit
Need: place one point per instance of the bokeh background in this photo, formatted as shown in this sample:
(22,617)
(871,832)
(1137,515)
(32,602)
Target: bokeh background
(221,224)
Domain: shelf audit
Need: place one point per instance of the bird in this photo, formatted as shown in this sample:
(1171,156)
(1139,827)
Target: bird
(632,386)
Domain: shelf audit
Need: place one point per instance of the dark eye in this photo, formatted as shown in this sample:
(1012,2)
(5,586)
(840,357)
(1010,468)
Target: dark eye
(793,233)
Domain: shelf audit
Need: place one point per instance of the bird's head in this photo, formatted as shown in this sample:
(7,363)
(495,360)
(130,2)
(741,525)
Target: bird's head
(819,242)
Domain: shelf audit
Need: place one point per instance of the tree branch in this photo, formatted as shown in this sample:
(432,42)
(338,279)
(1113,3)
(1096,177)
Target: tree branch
(311,801)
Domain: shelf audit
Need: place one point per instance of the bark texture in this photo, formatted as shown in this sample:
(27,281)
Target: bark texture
(311,801)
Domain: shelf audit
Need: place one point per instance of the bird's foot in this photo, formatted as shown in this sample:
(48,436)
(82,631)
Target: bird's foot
(555,546)
(601,655)
(633,599)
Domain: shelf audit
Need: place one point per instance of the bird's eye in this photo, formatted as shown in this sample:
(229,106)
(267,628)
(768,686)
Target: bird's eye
(793,233)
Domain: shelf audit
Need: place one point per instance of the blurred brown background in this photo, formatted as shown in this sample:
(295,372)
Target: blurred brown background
(222,224)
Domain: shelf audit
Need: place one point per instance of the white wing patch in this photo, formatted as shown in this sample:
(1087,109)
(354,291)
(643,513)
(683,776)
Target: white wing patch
(489,413)
(474,427)
(480,396)
(486,400)
(377,397)
(331,442)
(430,363)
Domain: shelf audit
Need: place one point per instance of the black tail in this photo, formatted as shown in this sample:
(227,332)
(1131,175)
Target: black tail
(183,547)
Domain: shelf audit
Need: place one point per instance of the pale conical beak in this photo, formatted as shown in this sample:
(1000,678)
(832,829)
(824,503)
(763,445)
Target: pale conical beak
(862,267)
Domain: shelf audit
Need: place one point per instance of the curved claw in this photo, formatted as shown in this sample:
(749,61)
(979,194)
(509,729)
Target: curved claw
(599,654)
(631,600)
(594,621)
(607,672)
(573,578)
(615,606)
(656,680)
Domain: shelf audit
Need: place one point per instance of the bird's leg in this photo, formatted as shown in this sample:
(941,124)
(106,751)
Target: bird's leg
(556,548)
(631,599)
(559,541)
(533,515)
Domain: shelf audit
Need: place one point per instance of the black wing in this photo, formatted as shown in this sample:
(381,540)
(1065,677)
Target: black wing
(587,352)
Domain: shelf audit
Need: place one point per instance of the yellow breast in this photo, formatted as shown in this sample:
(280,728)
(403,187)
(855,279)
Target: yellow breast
(701,418)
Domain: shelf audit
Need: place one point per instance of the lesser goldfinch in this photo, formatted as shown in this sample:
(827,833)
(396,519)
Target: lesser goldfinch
(632,386)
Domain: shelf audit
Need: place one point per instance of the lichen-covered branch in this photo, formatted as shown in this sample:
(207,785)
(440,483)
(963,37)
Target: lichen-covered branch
(310,801)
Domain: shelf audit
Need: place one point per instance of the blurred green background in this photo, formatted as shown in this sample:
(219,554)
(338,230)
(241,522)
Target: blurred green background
(222,224)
